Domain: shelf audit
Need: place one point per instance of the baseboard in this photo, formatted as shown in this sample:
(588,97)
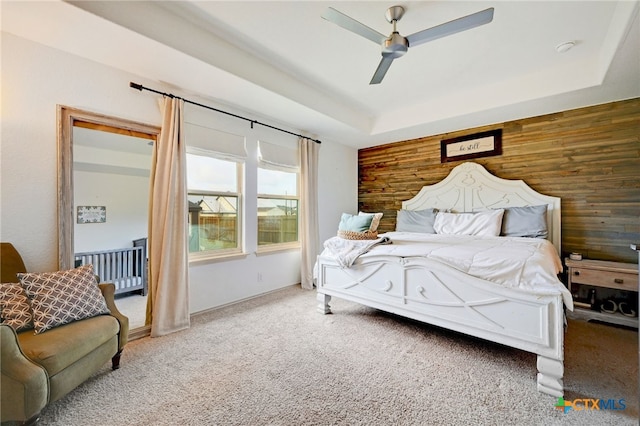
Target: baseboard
(139,332)
(145,331)
(215,308)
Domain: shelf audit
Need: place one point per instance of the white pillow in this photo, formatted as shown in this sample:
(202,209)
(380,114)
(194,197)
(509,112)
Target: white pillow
(485,223)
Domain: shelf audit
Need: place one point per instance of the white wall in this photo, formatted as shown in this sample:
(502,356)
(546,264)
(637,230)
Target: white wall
(337,187)
(112,171)
(36,78)
(126,200)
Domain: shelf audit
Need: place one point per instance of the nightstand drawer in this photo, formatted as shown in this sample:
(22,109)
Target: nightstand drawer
(618,280)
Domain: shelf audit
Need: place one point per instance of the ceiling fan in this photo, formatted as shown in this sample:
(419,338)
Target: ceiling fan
(395,45)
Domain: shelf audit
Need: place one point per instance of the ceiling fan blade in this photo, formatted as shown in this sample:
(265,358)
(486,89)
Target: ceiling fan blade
(383,66)
(451,27)
(352,25)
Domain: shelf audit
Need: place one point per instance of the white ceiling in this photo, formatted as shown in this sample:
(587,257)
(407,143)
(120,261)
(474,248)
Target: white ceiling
(282,62)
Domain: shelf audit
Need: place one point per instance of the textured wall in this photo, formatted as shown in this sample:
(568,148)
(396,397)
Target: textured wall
(590,157)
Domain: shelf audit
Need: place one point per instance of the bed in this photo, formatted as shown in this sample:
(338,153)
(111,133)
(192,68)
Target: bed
(396,279)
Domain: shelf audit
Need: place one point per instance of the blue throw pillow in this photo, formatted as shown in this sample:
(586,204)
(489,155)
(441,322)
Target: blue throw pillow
(355,223)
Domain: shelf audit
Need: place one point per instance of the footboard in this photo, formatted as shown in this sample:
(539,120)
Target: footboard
(434,293)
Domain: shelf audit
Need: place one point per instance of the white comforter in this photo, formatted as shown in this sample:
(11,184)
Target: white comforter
(529,264)
(346,252)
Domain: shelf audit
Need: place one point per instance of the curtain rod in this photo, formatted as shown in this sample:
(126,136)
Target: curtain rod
(140,87)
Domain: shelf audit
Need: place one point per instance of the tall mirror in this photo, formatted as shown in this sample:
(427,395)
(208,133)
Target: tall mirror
(103,188)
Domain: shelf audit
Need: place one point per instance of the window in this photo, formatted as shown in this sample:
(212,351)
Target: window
(214,182)
(214,203)
(278,200)
(277,207)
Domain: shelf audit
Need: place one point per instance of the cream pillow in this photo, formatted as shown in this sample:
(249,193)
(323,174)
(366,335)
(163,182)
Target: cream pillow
(375,221)
(484,223)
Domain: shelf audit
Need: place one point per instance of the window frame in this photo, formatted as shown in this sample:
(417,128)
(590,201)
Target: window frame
(262,248)
(227,252)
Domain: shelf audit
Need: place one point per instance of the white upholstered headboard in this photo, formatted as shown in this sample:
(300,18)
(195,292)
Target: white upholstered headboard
(470,187)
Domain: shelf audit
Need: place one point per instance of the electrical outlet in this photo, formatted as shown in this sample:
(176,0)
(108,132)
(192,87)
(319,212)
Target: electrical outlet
(259,277)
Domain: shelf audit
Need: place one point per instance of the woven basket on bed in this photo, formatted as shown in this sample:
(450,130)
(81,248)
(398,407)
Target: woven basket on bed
(353,235)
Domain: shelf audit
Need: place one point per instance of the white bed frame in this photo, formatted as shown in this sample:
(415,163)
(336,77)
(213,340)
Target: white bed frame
(434,293)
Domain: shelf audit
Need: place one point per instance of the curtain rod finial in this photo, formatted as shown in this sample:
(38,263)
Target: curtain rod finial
(135,85)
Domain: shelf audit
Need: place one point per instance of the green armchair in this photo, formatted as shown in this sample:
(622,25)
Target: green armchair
(38,369)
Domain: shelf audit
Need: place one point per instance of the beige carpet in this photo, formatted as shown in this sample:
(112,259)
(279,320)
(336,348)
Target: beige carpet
(275,361)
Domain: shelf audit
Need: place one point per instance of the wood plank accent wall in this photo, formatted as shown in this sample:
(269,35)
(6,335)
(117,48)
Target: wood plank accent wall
(590,157)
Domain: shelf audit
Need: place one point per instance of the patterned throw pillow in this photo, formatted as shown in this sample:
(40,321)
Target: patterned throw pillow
(58,298)
(14,307)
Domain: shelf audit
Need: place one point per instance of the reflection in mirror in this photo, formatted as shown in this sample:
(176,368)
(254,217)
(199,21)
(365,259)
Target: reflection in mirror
(103,202)
(110,193)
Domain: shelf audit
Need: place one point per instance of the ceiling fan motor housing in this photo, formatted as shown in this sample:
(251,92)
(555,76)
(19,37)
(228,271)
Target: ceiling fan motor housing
(395,46)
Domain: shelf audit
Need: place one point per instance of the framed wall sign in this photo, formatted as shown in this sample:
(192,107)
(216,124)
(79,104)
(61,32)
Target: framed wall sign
(92,214)
(484,144)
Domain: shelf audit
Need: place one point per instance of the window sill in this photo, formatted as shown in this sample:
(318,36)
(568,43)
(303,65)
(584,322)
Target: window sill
(274,248)
(213,258)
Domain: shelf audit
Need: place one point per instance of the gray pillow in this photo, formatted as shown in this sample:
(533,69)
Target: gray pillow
(416,221)
(530,221)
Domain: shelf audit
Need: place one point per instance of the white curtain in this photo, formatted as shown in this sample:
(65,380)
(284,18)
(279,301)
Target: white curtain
(168,299)
(309,237)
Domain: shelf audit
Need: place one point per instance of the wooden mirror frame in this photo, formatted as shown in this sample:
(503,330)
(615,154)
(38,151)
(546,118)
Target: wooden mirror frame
(67,118)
